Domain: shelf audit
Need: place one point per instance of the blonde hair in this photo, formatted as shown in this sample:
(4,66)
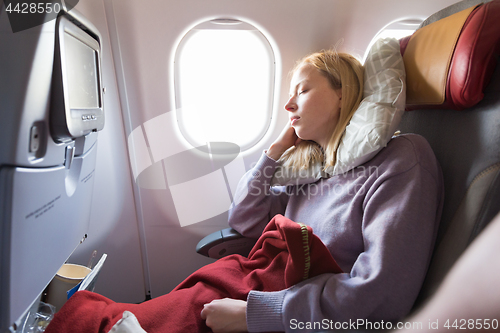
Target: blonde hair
(344,72)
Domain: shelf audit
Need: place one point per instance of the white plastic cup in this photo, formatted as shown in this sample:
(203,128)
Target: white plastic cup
(68,276)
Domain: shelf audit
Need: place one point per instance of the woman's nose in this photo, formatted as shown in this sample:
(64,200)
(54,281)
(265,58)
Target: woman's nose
(290,105)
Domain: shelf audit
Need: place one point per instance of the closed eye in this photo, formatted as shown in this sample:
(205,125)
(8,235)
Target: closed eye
(301,92)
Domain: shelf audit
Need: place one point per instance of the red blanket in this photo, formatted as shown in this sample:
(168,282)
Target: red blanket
(285,254)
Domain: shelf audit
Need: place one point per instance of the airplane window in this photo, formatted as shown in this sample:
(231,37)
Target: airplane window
(224,83)
(396,29)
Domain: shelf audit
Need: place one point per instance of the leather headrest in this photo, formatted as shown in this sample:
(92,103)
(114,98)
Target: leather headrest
(449,62)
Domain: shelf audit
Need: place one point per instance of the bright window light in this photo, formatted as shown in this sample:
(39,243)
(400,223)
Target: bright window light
(396,33)
(397,29)
(224,81)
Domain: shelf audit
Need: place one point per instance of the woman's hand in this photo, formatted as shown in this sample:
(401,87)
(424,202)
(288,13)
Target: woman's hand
(285,140)
(226,315)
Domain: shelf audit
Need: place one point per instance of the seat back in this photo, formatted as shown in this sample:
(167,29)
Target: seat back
(467,145)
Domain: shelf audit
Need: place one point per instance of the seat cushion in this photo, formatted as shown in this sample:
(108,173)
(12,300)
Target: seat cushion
(450,61)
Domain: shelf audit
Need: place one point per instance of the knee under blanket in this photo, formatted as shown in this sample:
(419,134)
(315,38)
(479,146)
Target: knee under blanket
(285,254)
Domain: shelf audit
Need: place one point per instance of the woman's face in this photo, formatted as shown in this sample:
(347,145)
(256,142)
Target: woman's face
(314,105)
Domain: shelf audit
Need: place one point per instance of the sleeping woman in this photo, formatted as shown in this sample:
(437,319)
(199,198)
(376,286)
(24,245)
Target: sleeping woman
(374,216)
(379,219)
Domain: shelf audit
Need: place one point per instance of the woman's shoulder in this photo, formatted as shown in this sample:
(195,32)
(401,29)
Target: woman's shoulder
(406,151)
(410,145)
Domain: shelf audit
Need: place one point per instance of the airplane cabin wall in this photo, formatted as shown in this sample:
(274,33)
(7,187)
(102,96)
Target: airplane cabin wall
(143,35)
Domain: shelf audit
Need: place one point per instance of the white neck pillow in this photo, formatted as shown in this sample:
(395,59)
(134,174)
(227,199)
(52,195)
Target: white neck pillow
(378,116)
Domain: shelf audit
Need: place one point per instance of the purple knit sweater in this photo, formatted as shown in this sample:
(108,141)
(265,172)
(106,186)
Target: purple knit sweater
(379,222)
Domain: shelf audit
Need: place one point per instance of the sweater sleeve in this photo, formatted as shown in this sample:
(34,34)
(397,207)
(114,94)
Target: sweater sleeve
(255,201)
(398,228)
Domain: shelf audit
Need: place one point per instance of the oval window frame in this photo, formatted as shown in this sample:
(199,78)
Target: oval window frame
(225,24)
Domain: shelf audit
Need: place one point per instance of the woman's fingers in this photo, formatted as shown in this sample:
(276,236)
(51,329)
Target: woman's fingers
(285,140)
(225,315)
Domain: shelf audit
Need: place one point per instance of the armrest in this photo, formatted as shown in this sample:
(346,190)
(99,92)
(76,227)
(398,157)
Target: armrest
(223,243)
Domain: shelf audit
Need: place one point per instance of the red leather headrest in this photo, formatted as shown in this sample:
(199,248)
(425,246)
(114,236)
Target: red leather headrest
(473,60)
